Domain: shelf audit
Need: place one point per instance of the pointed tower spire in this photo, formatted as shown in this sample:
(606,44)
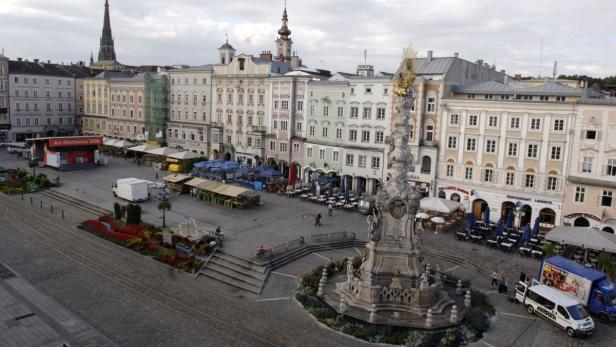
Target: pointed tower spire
(107,50)
(91,58)
(284,43)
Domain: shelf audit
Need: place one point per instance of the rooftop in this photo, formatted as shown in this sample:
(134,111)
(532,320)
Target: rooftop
(46,69)
(515,87)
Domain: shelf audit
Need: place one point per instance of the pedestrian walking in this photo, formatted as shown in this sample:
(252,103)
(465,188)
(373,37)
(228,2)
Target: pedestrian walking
(522,277)
(330,209)
(494,277)
(317,220)
(157,175)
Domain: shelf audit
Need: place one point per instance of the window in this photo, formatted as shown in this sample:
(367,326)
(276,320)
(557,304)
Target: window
(309,152)
(514,123)
(275,104)
(367,112)
(365,136)
(274,124)
(452,142)
(533,150)
(580,193)
(311,130)
(284,125)
(530,181)
(490,146)
(510,178)
(380,113)
(468,173)
(283,146)
(325,111)
(295,147)
(298,126)
(324,132)
(606,198)
(362,160)
(312,110)
(229,98)
(273,145)
(591,134)
(368,90)
(260,99)
(300,105)
(493,122)
(429,132)
(544,98)
(379,137)
(431,105)
(535,124)
(559,124)
(555,153)
(240,99)
(454,119)
(353,135)
(611,167)
(340,111)
(472,120)
(242,62)
(349,159)
(335,156)
(488,175)
(561,98)
(551,185)
(354,112)
(587,165)
(376,162)
(512,149)
(338,133)
(449,171)
(471,144)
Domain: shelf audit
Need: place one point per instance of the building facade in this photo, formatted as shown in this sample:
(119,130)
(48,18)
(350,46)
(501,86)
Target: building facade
(591,182)
(96,100)
(190,103)
(507,146)
(5,122)
(42,99)
(126,105)
(156,109)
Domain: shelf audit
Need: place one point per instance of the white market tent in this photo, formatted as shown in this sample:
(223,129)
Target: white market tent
(122,143)
(109,142)
(184,155)
(585,237)
(141,148)
(439,205)
(162,151)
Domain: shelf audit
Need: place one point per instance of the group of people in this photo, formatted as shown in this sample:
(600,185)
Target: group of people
(330,212)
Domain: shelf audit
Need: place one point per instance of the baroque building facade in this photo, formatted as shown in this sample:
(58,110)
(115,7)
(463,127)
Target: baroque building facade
(126,108)
(96,100)
(5,123)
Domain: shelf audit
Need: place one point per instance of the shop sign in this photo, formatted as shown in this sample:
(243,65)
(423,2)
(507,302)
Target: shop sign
(457,189)
(584,215)
(75,141)
(539,201)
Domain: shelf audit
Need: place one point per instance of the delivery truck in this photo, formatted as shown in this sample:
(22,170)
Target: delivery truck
(589,287)
(132,189)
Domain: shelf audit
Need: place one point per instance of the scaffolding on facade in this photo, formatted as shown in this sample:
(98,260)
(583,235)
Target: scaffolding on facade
(156,106)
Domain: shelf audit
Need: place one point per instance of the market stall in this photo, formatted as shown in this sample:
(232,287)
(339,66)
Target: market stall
(177,182)
(223,194)
(182,161)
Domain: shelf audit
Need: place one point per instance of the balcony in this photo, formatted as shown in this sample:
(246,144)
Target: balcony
(4,110)
(258,129)
(217,125)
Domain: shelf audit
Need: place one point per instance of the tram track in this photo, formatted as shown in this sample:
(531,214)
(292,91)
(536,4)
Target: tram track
(136,282)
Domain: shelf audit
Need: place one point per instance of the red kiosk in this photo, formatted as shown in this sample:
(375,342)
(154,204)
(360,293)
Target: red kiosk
(67,153)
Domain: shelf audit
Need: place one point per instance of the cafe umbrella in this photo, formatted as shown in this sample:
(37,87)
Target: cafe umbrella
(536,227)
(510,219)
(526,236)
(499,228)
(470,221)
(486,215)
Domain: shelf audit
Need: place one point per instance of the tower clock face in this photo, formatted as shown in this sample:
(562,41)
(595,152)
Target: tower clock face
(397,208)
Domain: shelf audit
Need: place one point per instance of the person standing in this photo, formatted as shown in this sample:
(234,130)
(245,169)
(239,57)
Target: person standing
(494,277)
(330,209)
(317,220)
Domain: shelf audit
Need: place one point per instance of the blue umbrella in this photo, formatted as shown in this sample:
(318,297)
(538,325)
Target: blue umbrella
(527,233)
(510,219)
(313,189)
(499,227)
(486,215)
(536,227)
(330,190)
(470,221)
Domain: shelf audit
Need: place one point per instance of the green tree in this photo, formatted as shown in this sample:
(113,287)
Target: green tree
(33,164)
(548,250)
(607,265)
(133,214)
(164,205)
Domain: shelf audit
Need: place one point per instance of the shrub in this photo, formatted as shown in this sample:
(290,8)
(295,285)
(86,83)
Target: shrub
(478,322)
(117,211)
(480,300)
(133,214)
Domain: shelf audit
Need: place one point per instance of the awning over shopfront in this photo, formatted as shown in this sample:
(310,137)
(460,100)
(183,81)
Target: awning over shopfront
(585,237)
(439,205)
(220,188)
(162,151)
(141,148)
(184,155)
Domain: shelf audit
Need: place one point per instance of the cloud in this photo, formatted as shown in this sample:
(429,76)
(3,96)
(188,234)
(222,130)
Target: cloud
(329,34)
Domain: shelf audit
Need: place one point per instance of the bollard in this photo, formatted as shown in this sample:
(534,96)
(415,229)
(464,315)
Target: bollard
(51,208)
(467,299)
(22,195)
(62,213)
(453,319)
(41,204)
(31,201)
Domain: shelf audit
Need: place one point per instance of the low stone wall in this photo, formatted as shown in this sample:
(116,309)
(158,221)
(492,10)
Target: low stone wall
(332,237)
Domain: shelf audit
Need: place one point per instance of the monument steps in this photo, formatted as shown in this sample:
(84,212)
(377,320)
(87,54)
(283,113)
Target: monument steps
(232,281)
(442,304)
(236,272)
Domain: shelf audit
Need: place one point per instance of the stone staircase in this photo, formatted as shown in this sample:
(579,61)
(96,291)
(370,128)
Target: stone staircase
(251,275)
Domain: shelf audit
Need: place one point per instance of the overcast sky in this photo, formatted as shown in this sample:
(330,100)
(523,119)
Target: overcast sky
(328,34)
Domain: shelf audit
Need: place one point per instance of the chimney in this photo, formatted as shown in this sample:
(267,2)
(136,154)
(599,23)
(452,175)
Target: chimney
(506,80)
(480,62)
(430,55)
(517,77)
(502,71)
(36,61)
(19,59)
(456,55)
(266,55)
(48,61)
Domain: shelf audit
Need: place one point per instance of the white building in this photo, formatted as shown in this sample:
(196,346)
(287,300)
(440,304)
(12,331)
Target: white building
(5,123)
(190,104)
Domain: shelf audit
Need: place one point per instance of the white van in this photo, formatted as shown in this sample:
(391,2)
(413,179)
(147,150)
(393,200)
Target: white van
(556,307)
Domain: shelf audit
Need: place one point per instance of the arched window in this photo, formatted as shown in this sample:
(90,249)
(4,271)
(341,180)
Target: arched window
(426,165)
(442,195)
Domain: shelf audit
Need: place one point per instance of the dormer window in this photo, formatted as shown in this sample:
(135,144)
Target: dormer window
(591,134)
(241,62)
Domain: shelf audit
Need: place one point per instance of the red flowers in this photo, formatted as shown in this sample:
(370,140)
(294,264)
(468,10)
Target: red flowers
(100,228)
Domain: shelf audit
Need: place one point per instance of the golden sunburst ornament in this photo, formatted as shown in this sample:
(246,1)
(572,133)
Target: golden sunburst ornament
(406,76)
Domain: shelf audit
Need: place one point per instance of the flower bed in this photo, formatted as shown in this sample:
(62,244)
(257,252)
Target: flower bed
(143,239)
(473,327)
(18,181)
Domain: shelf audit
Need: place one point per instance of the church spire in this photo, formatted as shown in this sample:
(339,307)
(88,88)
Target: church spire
(107,50)
(284,43)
